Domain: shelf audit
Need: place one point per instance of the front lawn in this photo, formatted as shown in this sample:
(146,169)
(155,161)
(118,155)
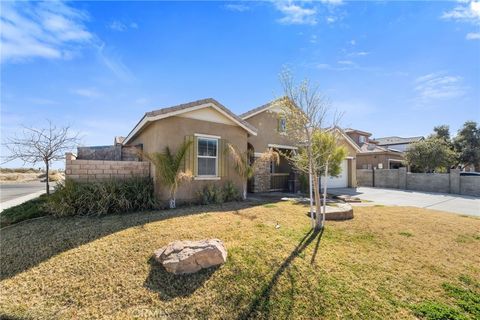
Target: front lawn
(387,263)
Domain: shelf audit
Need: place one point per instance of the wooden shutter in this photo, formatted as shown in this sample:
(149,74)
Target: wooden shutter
(190,157)
(222,158)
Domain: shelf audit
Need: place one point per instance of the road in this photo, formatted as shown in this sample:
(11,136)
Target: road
(438,201)
(11,191)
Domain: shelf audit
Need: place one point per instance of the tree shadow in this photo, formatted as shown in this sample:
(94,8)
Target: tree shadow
(169,286)
(261,304)
(29,243)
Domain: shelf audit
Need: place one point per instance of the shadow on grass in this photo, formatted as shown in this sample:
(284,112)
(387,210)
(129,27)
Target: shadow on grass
(169,286)
(25,245)
(260,306)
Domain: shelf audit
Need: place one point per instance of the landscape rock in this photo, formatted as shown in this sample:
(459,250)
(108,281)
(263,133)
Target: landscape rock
(180,257)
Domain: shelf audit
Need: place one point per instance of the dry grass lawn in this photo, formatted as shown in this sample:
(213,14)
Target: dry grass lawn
(377,266)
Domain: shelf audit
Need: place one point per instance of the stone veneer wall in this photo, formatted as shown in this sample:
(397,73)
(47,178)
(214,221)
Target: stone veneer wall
(91,170)
(261,180)
(451,182)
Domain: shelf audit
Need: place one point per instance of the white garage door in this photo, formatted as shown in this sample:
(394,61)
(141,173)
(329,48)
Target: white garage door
(341,181)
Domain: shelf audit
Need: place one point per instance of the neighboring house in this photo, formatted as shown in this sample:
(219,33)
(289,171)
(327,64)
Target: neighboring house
(397,143)
(373,156)
(210,126)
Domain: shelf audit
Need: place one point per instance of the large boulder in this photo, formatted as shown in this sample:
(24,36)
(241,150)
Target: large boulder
(181,257)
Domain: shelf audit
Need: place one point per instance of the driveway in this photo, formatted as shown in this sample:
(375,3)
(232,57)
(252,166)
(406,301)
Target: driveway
(12,194)
(438,201)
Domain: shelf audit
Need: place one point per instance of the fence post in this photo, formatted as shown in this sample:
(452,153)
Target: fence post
(454,178)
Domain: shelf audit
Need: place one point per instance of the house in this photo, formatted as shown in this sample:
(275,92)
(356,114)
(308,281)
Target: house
(210,126)
(397,143)
(371,155)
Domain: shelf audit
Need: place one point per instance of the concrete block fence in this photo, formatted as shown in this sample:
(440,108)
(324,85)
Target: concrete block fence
(451,182)
(90,170)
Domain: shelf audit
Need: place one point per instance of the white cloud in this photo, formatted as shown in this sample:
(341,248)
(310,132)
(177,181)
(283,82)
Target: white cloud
(238,7)
(313,38)
(120,26)
(466,12)
(86,92)
(346,62)
(473,36)
(331,19)
(296,14)
(114,63)
(437,86)
(46,29)
(332,2)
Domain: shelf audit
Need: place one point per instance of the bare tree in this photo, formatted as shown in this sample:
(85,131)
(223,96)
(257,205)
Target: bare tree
(41,145)
(307,110)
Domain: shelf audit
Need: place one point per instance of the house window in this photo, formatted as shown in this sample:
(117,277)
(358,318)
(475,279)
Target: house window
(207,157)
(282,125)
(361,139)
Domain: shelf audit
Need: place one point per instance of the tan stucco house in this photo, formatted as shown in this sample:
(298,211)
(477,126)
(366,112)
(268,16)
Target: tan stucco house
(210,126)
(371,155)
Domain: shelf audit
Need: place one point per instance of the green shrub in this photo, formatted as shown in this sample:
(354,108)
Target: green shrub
(102,197)
(27,210)
(210,193)
(230,192)
(213,194)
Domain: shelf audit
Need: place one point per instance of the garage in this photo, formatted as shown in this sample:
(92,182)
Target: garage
(341,181)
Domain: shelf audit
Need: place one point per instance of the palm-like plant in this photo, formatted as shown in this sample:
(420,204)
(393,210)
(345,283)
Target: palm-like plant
(168,168)
(244,167)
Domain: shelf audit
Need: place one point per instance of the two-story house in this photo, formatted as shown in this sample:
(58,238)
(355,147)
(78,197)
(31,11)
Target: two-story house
(210,126)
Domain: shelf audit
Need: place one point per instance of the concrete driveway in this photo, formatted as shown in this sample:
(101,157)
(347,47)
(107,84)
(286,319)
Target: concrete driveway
(438,201)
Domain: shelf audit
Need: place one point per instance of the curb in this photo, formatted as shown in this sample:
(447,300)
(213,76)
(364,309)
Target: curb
(19,200)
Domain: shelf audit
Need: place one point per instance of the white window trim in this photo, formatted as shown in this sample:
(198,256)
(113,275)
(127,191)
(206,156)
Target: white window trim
(207,137)
(201,135)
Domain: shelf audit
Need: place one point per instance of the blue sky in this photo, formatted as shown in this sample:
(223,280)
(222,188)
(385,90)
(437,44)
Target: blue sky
(394,68)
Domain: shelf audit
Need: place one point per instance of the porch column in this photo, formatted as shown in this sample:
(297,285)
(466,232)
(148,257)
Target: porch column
(261,179)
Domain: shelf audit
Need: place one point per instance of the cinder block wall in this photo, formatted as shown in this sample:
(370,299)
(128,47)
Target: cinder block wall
(364,178)
(451,182)
(90,170)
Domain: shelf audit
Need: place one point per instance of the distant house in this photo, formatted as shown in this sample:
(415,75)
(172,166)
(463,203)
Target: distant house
(371,155)
(397,143)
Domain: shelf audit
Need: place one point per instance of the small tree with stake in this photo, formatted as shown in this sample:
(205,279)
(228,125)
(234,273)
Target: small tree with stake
(307,110)
(41,145)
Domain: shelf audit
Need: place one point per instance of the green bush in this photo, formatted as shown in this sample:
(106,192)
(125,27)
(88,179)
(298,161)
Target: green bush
(230,192)
(213,194)
(101,197)
(27,210)
(210,193)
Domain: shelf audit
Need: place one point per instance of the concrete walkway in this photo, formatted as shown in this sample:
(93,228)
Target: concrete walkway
(438,201)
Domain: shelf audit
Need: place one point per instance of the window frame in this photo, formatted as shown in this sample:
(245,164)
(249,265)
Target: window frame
(198,156)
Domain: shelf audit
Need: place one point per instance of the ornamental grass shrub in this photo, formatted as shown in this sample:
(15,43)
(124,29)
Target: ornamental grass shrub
(102,197)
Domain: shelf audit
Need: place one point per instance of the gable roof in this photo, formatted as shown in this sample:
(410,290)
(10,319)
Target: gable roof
(397,140)
(371,147)
(187,107)
(260,109)
(346,137)
(347,130)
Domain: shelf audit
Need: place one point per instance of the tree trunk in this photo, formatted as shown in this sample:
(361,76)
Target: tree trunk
(311,190)
(325,195)
(47,167)
(172,199)
(245,190)
(318,213)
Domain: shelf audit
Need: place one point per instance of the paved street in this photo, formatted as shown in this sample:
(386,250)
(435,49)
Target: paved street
(438,201)
(11,191)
